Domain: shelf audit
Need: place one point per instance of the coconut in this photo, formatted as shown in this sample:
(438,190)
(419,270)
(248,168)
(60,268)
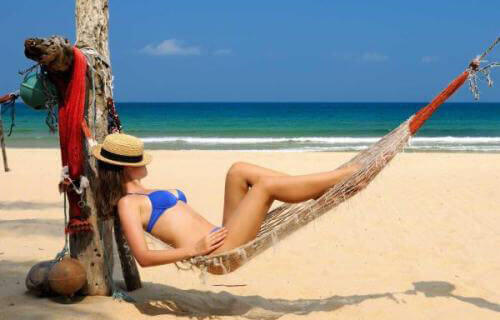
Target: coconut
(67,277)
(37,280)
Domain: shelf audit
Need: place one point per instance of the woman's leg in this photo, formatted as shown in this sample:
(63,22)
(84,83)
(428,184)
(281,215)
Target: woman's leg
(300,188)
(240,176)
(245,222)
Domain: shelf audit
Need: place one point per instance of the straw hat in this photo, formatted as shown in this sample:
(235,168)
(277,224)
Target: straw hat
(123,150)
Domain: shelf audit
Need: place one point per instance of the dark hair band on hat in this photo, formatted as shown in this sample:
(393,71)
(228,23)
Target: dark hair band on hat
(119,157)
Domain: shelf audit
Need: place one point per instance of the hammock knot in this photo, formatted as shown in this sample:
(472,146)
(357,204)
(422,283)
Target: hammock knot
(474,64)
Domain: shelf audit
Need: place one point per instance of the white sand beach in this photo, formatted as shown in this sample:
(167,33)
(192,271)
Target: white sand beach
(420,242)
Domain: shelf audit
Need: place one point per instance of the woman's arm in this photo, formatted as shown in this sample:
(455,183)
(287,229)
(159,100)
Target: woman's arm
(157,257)
(134,233)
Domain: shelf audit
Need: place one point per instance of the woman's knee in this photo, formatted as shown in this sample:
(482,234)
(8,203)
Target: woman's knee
(240,170)
(266,185)
(237,168)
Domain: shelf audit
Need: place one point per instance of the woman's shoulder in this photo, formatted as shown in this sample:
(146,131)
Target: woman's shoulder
(128,200)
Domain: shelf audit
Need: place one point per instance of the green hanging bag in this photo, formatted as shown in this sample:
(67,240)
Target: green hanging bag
(37,90)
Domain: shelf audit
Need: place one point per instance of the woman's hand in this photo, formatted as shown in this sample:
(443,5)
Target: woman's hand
(210,242)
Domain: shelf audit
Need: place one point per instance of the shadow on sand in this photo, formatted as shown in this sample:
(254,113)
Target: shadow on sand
(28,205)
(157,299)
(433,289)
(23,227)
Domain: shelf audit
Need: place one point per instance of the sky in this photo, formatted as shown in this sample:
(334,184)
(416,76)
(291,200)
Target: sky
(279,50)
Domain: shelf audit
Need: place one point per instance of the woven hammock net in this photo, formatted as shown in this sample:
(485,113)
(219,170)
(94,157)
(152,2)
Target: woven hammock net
(288,217)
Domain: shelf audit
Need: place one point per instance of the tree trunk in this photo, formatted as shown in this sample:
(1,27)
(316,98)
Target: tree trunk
(97,256)
(94,249)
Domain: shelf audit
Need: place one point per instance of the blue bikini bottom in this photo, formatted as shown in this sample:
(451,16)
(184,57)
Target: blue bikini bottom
(215,229)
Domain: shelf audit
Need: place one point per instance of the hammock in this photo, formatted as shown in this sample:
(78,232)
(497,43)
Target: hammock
(289,217)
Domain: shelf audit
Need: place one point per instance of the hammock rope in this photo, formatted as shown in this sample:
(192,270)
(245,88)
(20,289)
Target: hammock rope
(288,217)
(475,73)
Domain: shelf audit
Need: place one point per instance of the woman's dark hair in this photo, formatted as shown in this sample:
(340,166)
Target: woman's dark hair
(109,188)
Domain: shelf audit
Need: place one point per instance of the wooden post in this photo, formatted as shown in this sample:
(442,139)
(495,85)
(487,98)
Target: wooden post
(93,249)
(4,99)
(129,266)
(2,143)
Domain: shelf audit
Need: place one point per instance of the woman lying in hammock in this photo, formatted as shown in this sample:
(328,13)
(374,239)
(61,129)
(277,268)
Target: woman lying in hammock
(249,192)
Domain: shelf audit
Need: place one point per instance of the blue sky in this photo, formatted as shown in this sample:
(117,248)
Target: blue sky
(280,50)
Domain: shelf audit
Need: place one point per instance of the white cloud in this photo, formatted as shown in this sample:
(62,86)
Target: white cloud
(429,59)
(373,57)
(362,57)
(343,56)
(171,47)
(223,52)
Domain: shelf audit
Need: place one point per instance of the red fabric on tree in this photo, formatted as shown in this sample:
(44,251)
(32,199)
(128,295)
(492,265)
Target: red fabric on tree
(71,110)
(71,115)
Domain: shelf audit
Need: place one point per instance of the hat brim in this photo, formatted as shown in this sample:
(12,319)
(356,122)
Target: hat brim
(146,158)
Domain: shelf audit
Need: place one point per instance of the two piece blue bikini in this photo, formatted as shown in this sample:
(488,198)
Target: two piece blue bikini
(161,200)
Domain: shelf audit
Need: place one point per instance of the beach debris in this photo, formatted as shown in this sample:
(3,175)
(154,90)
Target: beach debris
(229,285)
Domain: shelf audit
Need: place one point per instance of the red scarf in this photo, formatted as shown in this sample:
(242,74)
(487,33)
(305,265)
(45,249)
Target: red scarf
(71,109)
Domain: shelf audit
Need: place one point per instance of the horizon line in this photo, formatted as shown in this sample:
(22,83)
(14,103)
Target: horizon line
(305,101)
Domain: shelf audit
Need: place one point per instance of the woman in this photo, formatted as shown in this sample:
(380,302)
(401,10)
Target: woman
(249,192)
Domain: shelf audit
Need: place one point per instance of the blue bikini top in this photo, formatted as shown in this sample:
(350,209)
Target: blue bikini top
(161,200)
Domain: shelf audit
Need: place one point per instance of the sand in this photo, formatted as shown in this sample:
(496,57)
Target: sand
(421,242)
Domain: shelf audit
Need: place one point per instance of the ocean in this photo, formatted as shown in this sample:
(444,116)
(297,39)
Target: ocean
(455,127)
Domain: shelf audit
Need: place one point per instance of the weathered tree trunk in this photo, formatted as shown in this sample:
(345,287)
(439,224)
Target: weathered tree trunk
(94,249)
(92,32)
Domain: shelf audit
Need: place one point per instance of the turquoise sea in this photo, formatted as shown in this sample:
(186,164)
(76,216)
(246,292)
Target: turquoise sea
(463,127)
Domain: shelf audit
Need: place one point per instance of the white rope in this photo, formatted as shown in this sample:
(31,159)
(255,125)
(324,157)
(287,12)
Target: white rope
(65,249)
(84,182)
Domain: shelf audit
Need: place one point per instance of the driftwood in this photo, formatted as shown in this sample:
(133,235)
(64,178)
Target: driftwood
(92,249)
(55,53)
(3,99)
